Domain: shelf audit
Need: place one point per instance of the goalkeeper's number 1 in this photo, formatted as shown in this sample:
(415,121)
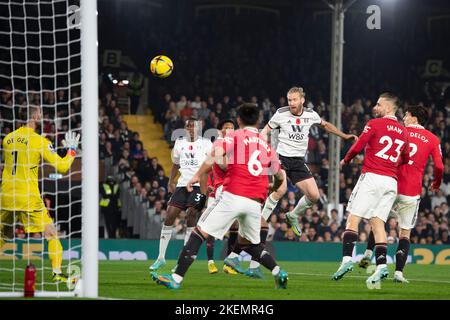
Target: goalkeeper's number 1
(15,155)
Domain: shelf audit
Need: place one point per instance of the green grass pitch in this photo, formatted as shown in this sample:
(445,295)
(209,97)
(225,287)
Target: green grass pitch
(307,280)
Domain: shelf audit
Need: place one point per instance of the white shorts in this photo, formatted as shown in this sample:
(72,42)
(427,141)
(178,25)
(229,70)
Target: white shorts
(217,194)
(218,218)
(405,210)
(373,196)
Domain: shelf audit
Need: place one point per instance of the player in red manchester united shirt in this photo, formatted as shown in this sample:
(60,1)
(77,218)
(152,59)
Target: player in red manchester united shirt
(248,159)
(422,144)
(214,187)
(385,141)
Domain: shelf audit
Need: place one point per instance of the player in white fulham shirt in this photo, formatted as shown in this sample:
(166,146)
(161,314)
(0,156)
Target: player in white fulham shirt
(293,123)
(188,154)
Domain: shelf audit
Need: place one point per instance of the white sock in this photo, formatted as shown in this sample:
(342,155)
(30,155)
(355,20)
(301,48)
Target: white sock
(166,234)
(210,261)
(380,266)
(346,259)
(233,255)
(398,273)
(303,204)
(177,277)
(368,253)
(57,271)
(270,204)
(275,270)
(254,264)
(188,234)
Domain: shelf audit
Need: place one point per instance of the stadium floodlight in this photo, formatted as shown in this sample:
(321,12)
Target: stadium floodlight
(337,52)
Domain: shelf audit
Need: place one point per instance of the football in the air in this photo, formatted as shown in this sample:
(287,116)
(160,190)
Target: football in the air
(161,66)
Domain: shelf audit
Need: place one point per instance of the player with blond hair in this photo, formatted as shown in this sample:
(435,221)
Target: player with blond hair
(294,122)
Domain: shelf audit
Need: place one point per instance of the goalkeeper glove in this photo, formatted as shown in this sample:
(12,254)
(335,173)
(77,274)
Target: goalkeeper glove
(71,141)
(200,201)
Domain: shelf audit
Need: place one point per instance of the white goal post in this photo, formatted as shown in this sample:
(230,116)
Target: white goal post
(90,174)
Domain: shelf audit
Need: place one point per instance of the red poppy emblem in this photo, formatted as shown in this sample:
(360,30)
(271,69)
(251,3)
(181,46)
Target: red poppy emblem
(190,148)
(297,121)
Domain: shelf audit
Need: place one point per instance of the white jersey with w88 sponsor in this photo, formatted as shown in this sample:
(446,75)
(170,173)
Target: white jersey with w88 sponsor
(294,130)
(190,156)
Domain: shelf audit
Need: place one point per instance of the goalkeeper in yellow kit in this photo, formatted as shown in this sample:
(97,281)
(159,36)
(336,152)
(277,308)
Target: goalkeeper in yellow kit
(21,199)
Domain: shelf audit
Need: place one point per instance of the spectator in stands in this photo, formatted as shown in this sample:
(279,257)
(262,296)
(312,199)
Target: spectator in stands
(204,112)
(108,153)
(438,199)
(154,168)
(116,142)
(125,133)
(124,161)
(221,114)
(197,103)
(102,143)
(186,112)
(280,233)
(137,153)
(312,234)
(135,140)
(334,232)
(292,199)
(290,236)
(162,179)
(144,165)
(181,104)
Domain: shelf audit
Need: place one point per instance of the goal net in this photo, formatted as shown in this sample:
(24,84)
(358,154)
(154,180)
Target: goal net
(43,63)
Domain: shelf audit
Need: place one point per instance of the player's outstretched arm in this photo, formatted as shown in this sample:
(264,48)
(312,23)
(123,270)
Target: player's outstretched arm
(359,144)
(201,174)
(329,127)
(62,165)
(173,173)
(265,132)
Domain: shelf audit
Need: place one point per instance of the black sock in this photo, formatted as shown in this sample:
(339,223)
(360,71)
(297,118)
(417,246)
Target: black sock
(348,242)
(232,240)
(237,248)
(380,253)
(258,251)
(189,252)
(210,247)
(371,241)
(402,254)
(263,234)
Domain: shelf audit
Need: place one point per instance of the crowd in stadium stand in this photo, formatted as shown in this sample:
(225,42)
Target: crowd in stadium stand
(433,219)
(124,149)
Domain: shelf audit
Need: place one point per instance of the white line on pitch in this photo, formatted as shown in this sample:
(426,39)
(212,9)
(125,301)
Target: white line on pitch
(355,276)
(109,298)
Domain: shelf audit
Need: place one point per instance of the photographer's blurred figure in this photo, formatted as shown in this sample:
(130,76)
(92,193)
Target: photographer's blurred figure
(110,205)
